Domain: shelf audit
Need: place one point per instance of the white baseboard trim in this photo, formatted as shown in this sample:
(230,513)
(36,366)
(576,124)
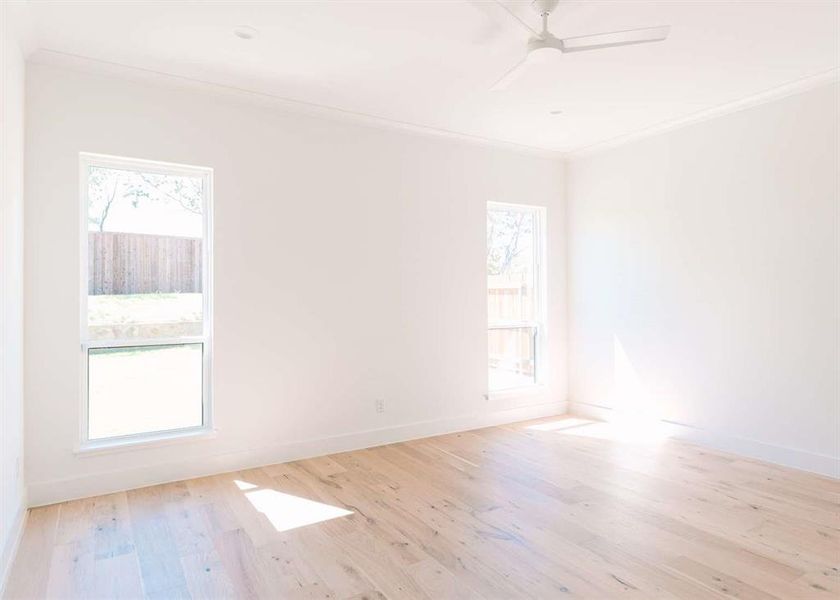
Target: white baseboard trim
(788,457)
(50,492)
(9,552)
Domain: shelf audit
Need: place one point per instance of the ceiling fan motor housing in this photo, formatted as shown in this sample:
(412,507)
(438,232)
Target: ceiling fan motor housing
(545,42)
(544,7)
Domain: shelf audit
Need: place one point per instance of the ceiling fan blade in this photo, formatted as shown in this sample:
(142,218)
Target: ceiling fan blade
(488,27)
(505,8)
(512,75)
(615,38)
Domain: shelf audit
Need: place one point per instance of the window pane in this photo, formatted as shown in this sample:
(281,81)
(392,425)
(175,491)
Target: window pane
(144,389)
(511,280)
(145,235)
(512,353)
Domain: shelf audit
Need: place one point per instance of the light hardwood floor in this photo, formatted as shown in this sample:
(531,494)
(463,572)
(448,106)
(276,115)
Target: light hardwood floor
(553,508)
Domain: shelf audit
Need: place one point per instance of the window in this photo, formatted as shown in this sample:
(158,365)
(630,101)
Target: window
(515,295)
(146,299)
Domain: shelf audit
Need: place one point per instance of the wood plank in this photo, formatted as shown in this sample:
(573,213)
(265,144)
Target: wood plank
(156,546)
(30,571)
(515,511)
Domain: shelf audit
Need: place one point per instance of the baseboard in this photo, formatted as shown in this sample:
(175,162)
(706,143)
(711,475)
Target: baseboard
(788,457)
(12,544)
(50,492)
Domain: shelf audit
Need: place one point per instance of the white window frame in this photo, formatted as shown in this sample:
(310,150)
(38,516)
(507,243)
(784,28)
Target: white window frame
(541,298)
(86,445)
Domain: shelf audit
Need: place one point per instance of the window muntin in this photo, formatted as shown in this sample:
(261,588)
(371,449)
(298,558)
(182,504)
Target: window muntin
(146,298)
(514,295)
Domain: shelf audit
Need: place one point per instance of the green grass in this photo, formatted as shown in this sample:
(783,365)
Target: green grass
(122,351)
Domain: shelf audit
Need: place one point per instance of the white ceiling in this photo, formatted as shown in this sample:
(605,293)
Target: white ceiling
(431,63)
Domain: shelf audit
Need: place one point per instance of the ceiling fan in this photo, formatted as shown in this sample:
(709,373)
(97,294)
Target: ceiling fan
(544,43)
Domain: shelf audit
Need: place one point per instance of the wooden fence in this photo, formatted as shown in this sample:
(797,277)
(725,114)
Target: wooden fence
(509,299)
(133,263)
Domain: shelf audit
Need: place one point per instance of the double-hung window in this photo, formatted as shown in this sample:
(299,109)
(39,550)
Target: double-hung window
(146,300)
(515,295)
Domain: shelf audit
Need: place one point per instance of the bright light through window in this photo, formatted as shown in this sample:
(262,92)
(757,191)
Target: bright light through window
(144,388)
(145,237)
(514,295)
(146,302)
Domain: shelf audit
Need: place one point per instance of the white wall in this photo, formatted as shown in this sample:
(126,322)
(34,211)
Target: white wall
(12,491)
(704,279)
(349,266)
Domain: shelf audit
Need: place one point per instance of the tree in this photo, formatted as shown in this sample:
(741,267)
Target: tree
(106,186)
(102,191)
(509,234)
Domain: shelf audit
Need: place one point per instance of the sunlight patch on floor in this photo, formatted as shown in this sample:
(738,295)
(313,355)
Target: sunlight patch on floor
(287,512)
(560,424)
(629,428)
(244,485)
(638,431)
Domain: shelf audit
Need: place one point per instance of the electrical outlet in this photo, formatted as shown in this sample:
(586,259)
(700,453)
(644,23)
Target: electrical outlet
(380,405)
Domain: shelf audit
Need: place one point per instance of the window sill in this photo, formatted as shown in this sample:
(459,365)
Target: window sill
(110,446)
(527,390)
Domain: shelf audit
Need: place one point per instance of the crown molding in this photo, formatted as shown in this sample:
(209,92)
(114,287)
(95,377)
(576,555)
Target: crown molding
(57,58)
(790,88)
